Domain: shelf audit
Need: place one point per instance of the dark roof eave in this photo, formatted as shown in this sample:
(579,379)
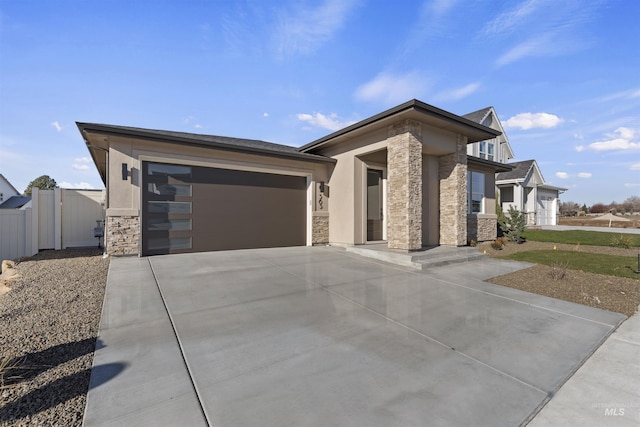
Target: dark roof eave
(498,167)
(413,104)
(139,133)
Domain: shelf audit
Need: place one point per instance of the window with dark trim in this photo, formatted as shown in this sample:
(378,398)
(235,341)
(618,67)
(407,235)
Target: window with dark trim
(475,192)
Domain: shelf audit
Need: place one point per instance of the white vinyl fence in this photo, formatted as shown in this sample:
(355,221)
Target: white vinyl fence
(54,219)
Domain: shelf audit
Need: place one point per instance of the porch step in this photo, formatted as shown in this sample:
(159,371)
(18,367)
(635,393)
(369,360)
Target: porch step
(421,260)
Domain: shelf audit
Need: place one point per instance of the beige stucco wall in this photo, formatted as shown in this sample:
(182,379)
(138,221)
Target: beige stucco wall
(430,201)
(347,187)
(124,197)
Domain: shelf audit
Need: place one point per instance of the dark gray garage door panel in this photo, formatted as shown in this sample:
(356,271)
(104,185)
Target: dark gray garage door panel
(239,210)
(230,210)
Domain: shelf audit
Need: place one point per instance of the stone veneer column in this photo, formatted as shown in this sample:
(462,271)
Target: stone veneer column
(404,184)
(320,228)
(122,235)
(453,195)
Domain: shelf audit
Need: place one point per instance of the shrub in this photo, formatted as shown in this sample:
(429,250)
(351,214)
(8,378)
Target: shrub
(503,240)
(512,225)
(497,244)
(473,243)
(559,270)
(7,366)
(622,242)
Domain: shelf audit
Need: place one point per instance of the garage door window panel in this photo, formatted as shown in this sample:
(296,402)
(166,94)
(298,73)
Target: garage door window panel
(169,243)
(168,207)
(165,224)
(166,170)
(171,190)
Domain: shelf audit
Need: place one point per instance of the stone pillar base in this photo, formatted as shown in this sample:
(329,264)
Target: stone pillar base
(320,228)
(482,228)
(404,181)
(122,235)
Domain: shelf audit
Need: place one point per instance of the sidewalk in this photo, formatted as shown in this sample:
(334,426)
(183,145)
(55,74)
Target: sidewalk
(605,390)
(601,229)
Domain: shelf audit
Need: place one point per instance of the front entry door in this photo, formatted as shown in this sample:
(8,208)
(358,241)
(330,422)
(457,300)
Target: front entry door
(374,205)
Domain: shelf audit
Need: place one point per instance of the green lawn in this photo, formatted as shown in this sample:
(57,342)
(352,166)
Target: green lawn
(574,237)
(612,265)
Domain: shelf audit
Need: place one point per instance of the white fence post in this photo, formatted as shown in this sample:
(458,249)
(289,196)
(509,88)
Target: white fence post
(57,207)
(35,218)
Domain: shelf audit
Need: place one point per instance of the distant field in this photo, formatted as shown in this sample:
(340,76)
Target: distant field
(588,221)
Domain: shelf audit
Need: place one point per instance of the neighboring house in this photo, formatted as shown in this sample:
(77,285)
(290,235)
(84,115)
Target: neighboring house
(6,189)
(496,149)
(15,202)
(398,177)
(523,187)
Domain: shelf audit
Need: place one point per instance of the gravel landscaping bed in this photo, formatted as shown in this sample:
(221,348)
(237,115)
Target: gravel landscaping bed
(48,327)
(611,293)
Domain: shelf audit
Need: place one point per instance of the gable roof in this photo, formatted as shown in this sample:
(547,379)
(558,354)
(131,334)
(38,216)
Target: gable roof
(99,146)
(418,110)
(479,115)
(9,184)
(15,202)
(519,172)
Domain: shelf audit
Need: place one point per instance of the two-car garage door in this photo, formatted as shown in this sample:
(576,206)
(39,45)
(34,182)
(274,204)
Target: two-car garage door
(194,209)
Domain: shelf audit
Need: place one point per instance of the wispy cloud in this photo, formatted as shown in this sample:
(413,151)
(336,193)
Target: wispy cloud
(527,121)
(331,122)
(635,167)
(82,160)
(81,167)
(389,89)
(56,126)
(458,93)
(622,139)
(562,175)
(625,94)
(507,21)
(585,175)
(535,46)
(579,148)
(303,30)
(541,28)
(632,184)
(431,22)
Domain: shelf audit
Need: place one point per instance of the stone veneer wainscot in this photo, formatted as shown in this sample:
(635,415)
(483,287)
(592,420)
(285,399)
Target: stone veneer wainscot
(122,235)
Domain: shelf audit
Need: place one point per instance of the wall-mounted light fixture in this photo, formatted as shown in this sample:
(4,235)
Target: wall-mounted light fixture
(125,172)
(322,186)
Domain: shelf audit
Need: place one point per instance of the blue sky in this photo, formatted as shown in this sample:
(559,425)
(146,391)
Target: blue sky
(564,76)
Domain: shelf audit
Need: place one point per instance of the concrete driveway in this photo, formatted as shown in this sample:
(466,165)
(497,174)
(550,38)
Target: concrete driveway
(316,336)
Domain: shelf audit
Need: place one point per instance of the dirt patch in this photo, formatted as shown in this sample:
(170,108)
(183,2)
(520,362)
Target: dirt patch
(618,294)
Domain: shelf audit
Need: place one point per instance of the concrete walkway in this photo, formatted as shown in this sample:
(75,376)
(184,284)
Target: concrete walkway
(603,229)
(316,336)
(606,389)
